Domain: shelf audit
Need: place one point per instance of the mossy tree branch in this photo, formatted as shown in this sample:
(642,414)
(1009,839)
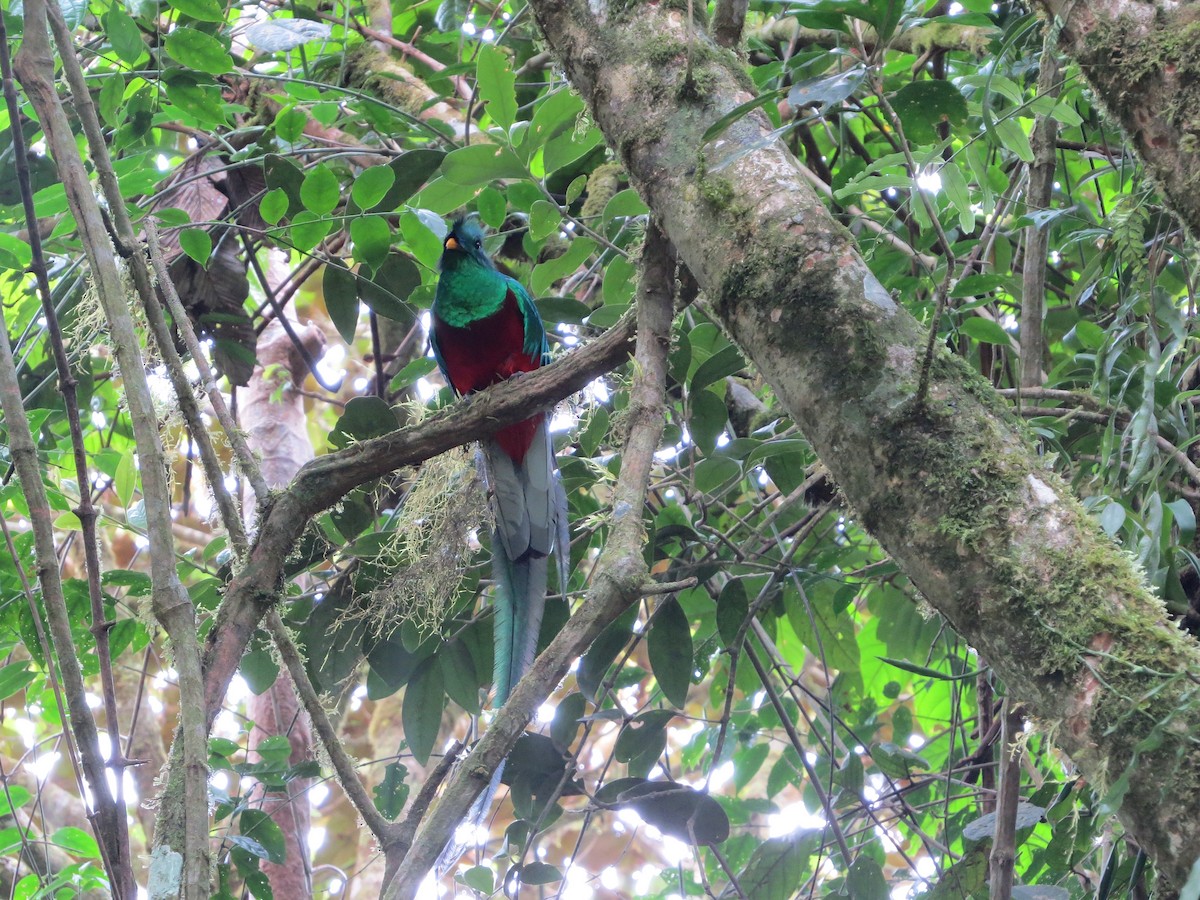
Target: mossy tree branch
(1141,58)
(187,835)
(951,487)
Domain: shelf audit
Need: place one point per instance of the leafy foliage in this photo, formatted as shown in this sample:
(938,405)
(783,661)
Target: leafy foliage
(788,722)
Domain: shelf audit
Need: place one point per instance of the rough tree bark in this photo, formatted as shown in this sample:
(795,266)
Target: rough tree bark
(949,484)
(1141,58)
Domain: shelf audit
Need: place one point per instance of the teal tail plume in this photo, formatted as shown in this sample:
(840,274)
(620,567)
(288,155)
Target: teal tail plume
(530,507)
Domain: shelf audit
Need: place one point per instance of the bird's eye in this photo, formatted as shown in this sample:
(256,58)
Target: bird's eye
(478,244)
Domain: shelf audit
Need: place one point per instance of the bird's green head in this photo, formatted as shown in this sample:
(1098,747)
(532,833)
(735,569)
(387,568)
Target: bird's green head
(464,241)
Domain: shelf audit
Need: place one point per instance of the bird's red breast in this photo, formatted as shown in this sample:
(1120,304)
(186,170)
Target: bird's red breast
(485,352)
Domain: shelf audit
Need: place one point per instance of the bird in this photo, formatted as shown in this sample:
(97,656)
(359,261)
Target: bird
(484,329)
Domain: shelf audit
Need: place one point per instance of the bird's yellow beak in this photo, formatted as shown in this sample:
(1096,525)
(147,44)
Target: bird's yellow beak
(451,243)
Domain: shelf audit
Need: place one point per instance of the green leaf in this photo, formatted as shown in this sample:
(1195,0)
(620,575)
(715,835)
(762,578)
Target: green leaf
(197,50)
(544,220)
(422,713)
(372,185)
(497,85)
(644,733)
(387,293)
(412,170)
(222,747)
(195,94)
(280,35)
(413,372)
(260,827)
(985,330)
(594,665)
(372,239)
(392,793)
(539,873)
(982,828)
(274,205)
(565,725)
(259,668)
(462,682)
(15,677)
(865,880)
(123,34)
(18,796)
(1013,137)
(778,865)
(479,878)
(308,230)
(276,748)
(14,253)
(669,646)
(126,479)
(196,243)
(732,608)
(923,105)
(722,363)
(76,841)
(202,10)
(340,288)
(916,669)
(549,272)
(289,124)
(321,190)
(714,471)
(362,419)
(482,163)
(491,206)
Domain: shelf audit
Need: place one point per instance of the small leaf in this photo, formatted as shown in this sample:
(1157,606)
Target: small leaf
(594,665)
(645,732)
(481,163)
(827,90)
(123,34)
(491,206)
(276,748)
(778,865)
(321,191)
(497,83)
(258,668)
(76,841)
(388,291)
(372,239)
(260,827)
(722,363)
(372,185)
(14,253)
(916,669)
(539,873)
(422,713)
(340,288)
(565,725)
(392,793)
(985,330)
(669,646)
(479,878)
(196,243)
(308,230)
(923,105)
(865,880)
(462,682)
(18,796)
(274,206)
(732,608)
(196,50)
(15,677)
(362,419)
(126,479)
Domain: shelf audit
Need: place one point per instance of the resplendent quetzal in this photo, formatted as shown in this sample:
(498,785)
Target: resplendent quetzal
(485,328)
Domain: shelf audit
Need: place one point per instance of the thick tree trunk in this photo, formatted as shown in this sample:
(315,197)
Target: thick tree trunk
(1142,59)
(949,483)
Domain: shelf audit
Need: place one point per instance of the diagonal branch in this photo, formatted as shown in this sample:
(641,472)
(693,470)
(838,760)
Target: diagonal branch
(324,481)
